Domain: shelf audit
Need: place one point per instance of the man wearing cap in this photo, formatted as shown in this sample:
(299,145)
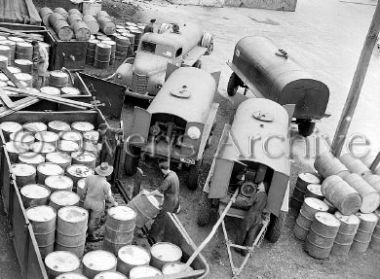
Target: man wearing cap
(40,64)
(170,189)
(96,191)
(150,27)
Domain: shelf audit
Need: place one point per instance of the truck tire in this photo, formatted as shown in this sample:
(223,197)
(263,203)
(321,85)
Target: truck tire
(233,85)
(275,227)
(198,64)
(305,127)
(193,178)
(132,161)
(204,210)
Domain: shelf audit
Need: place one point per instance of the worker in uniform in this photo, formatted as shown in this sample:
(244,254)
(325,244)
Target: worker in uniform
(170,189)
(251,223)
(108,139)
(40,64)
(96,191)
(149,28)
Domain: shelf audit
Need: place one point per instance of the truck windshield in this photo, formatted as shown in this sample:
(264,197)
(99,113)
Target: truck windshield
(162,50)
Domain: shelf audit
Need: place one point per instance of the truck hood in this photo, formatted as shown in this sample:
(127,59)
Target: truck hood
(149,64)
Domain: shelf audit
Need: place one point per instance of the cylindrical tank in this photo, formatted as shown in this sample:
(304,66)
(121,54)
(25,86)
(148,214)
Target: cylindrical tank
(24,50)
(110,275)
(347,230)
(58,79)
(364,233)
(26,66)
(98,261)
(60,158)
(50,90)
(327,165)
(163,253)
(31,158)
(71,275)
(320,238)
(375,241)
(373,180)
(59,183)
(91,137)
(354,165)
(43,220)
(280,77)
(10,127)
(314,191)
(67,146)
(60,262)
(146,206)
(24,174)
(72,136)
(84,158)
(102,56)
(43,148)
(47,137)
(69,90)
(71,229)
(35,127)
(345,198)
(48,169)
(14,149)
(23,137)
(58,126)
(77,172)
(144,271)
(131,256)
(34,195)
(61,199)
(299,191)
(370,197)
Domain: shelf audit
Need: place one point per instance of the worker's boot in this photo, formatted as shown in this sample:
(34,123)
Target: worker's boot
(93,238)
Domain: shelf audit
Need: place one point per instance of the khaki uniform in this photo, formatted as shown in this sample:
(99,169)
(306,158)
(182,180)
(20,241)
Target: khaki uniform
(96,191)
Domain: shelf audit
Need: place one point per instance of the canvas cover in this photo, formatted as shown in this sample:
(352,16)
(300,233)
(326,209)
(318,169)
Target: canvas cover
(19,11)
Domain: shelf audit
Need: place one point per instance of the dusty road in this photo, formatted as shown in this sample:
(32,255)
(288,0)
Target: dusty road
(326,38)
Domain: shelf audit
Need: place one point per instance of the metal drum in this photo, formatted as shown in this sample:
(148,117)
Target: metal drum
(91,137)
(146,206)
(91,147)
(112,44)
(10,127)
(14,70)
(59,183)
(354,165)
(72,136)
(102,56)
(72,91)
(48,137)
(35,127)
(131,256)
(60,158)
(303,180)
(84,158)
(34,195)
(3,61)
(43,220)
(12,47)
(364,233)
(110,275)
(71,230)
(98,261)
(14,149)
(48,169)
(80,190)
(173,268)
(347,230)
(314,191)
(67,146)
(90,56)
(144,271)
(345,198)
(119,228)
(61,199)
(321,236)
(332,208)
(57,126)
(24,50)
(77,172)
(370,197)
(26,66)
(60,262)
(326,165)
(43,148)
(163,253)
(375,241)
(82,126)
(58,79)
(22,136)
(5,51)
(50,90)
(25,174)
(373,180)
(306,216)
(71,275)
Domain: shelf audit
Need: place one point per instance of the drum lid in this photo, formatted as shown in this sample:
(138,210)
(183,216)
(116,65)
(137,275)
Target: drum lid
(99,260)
(134,255)
(41,213)
(62,261)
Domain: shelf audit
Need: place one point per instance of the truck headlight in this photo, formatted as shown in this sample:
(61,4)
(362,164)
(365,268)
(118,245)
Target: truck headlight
(194,133)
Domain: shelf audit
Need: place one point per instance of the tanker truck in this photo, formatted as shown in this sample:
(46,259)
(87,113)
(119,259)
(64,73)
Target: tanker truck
(144,74)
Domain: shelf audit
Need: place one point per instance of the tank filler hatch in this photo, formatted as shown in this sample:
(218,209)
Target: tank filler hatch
(182,92)
(263,116)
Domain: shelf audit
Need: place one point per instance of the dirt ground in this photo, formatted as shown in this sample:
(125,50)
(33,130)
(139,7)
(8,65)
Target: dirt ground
(326,38)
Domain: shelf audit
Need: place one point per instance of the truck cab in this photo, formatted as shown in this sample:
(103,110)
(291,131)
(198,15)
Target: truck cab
(145,74)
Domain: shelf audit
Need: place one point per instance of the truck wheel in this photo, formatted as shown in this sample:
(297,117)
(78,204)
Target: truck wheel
(305,127)
(193,178)
(132,161)
(233,85)
(275,227)
(204,210)
(198,64)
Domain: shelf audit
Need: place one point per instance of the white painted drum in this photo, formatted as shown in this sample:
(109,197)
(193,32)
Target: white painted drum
(34,195)
(58,126)
(59,262)
(61,199)
(50,90)
(71,275)
(72,91)
(84,158)
(67,146)
(91,136)
(60,158)
(95,262)
(110,275)
(31,158)
(131,256)
(59,183)
(144,271)
(24,173)
(35,127)
(72,136)
(43,148)
(48,169)
(82,126)
(163,253)
(47,136)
